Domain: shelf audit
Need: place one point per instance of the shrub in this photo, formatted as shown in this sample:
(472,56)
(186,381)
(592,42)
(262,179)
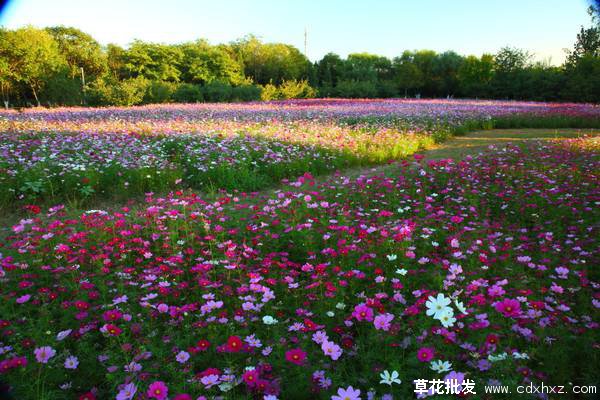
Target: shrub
(187,93)
(269,92)
(217,91)
(356,89)
(246,93)
(293,89)
(159,92)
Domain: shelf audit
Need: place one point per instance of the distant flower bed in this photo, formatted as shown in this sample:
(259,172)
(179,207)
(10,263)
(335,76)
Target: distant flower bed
(81,154)
(482,271)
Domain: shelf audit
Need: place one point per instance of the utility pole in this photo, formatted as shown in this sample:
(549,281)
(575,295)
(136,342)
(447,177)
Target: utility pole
(305,41)
(82,86)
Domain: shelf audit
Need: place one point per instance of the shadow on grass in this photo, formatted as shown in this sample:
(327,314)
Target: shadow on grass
(479,141)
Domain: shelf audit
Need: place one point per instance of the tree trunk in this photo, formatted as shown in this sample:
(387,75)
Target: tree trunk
(35,95)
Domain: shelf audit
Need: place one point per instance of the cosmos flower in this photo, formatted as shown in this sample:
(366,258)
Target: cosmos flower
(44,354)
(440,366)
(388,378)
(295,356)
(348,393)
(158,390)
(425,354)
(437,306)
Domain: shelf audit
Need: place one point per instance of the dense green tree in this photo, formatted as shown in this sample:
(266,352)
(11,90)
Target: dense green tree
(475,75)
(270,62)
(203,63)
(30,56)
(407,74)
(80,51)
(153,61)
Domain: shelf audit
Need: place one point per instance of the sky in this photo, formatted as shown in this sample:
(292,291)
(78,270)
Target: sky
(383,27)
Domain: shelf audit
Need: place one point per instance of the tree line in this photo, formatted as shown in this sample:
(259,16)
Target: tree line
(66,66)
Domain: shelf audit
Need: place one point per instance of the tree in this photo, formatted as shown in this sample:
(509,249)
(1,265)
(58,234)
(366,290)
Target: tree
(153,61)
(509,79)
(31,56)
(445,71)
(203,63)
(329,70)
(80,50)
(406,74)
(270,62)
(475,75)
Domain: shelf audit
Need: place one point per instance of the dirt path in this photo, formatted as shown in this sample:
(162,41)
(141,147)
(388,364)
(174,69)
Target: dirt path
(475,142)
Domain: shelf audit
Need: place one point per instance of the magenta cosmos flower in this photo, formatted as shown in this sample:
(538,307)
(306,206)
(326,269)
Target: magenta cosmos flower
(43,354)
(158,390)
(508,307)
(296,356)
(425,354)
(347,394)
(363,313)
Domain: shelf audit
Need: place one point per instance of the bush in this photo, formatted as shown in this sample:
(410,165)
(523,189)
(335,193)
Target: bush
(217,91)
(356,89)
(296,90)
(386,89)
(246,93)
(187,93)
(269,92)
(112,92)
(62,90)
(159,92)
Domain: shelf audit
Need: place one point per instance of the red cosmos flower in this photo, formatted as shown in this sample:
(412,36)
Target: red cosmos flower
(491,339)
(87,396)
(112,315)
(250,378)
(296,356)
(113,330)
(202,345)
(207,372)
(33,208)
(234,344)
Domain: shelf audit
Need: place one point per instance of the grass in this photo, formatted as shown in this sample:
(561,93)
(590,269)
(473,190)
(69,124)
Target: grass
(475,142)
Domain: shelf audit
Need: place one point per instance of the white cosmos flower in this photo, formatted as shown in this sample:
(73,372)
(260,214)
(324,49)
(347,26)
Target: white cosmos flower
(389,379)
(268,320)
(401,271)
(440,366)
(437,306)
(460,306)
(447,318)
(391,257)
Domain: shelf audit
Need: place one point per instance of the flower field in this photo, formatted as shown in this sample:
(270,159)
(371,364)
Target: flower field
(481,269)
(82,155)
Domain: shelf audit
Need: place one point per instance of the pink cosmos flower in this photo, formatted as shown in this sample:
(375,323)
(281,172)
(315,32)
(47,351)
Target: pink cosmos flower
(425,354)
(508,307)
(347,394)
(363,313)
(331,349)
(23,299)
(43,354)
(158,390)
(382,321)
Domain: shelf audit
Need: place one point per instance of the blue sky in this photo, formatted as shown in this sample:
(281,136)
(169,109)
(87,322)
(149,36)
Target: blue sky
(385,27)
